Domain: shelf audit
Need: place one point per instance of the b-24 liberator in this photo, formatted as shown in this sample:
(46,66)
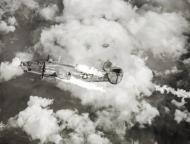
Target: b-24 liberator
(56,70)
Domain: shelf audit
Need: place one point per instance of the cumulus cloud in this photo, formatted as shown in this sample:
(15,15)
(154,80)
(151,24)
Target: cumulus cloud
(160,33)
(178,104)
(84,130)
(66,39)
(101,30)
(147,113)
(10,70)
(12,21)
(4,28)
(63,126)
(182,115)
(187,61)
(49,13)
(8,25)
(115,120)
(37,120)
(7,10)
(109,9)
(2,126)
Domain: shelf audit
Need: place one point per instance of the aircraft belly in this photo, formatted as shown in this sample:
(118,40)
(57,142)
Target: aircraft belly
(89,77)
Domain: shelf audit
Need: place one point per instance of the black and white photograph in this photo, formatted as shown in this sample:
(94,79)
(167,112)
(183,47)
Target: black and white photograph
(94,71)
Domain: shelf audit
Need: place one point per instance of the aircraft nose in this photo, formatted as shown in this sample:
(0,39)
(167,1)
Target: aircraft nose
(115,75)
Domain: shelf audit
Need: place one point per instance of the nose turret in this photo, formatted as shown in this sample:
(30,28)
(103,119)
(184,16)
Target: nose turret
(115,75)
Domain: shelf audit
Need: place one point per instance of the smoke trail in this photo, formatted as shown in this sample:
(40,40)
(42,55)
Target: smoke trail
(179,92)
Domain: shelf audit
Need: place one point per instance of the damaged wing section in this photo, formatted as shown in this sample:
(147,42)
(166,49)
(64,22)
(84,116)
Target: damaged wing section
(52,69)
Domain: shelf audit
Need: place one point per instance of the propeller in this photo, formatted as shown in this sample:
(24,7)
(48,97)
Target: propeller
(43,69)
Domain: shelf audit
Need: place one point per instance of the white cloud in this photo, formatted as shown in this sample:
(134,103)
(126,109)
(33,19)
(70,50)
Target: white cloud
(67,39)
(37,120)
(40,122)
(2,126)
(147,113)
(167,110)
(12,21)
(117,120)
(187,61)
(4,28)
(110,9)
(49,12)
(173,70)
(181,115)
(178,104)
(7,26)
(38,101)
(97,139)
(160,33)
(10,70)
(84,129)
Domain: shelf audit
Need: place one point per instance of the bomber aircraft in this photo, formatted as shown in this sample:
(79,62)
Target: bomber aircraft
(56,70)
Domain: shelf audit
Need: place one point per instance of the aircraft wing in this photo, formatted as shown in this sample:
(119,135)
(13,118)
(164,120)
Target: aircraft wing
(56,69)
(81,83)
(34,72)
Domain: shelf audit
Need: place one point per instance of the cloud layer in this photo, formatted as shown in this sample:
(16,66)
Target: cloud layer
(63,126)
